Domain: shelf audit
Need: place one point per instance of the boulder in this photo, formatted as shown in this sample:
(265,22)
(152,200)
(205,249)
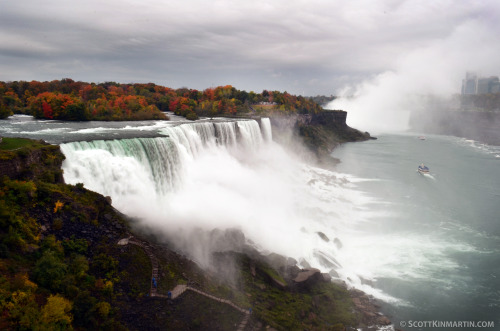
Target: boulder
(334,273)
(303,263)
(383,320)
(323,236)
(308,277)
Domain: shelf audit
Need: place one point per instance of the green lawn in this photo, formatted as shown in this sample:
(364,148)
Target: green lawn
(9,144)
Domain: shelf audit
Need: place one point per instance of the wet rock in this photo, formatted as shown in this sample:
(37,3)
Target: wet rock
(277,261)
(326,260)
(383,320)
(323,236)
(334,273)
(308,276)
(291,261)
(339,282)
(252,269)
(304,264)
(292,272)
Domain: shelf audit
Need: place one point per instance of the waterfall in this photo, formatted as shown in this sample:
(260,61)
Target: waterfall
(109,166)
(266,129)
(250,133)
(223,175)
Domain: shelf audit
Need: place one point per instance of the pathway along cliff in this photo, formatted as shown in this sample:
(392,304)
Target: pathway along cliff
(365,306)
(178,289)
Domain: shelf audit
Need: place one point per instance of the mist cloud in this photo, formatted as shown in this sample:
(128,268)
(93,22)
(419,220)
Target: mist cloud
(436,69)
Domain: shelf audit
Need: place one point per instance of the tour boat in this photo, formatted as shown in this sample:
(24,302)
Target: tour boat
(423,169)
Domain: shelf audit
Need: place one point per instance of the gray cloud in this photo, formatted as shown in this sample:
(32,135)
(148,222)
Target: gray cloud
(304,47)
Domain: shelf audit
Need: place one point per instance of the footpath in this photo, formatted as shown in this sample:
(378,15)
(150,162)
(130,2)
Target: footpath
(179,289)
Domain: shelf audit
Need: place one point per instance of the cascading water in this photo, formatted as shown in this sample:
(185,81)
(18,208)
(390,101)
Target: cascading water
(224,175)
(266,129)
(433,242)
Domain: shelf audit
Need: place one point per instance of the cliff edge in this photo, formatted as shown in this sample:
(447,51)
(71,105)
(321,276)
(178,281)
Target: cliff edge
(320,133)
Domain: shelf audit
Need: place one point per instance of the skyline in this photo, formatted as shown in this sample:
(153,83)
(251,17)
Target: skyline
(306,48)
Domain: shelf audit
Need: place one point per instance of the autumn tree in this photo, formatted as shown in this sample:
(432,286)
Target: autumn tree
(53,105)
(56,313)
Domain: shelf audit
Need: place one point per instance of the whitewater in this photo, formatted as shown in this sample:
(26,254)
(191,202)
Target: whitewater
(428,247)
(227,175)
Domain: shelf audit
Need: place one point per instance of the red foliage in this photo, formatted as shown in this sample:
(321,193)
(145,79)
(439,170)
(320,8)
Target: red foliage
(47,110)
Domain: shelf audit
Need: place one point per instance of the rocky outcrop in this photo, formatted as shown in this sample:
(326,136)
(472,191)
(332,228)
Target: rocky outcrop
(321,132)
(368,309)
(27,163)
(307,275)
(334,118)
(307,278)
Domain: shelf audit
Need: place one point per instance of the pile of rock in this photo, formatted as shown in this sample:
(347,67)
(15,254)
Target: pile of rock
(368,309)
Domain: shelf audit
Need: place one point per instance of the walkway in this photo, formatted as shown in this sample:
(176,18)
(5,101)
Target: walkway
(154,261)
(179,289)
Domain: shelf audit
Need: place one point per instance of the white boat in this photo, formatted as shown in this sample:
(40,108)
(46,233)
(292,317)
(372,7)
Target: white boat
(421,137)
(423,169)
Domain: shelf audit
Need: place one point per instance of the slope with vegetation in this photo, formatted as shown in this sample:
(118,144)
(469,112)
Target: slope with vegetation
(61,267)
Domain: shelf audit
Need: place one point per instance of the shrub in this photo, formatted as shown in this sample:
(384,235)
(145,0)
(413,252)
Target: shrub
(192,116)
(50,270)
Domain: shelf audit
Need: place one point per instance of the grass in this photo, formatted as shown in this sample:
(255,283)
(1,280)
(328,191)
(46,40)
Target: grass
(9,144)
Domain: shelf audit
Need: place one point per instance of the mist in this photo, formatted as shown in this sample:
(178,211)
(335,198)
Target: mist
(243,195)
(422,79)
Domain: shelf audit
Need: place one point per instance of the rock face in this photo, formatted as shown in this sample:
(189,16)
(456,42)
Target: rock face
(368,309)
(335,118)
(478,125)
(321,133)
(26,163)
(323,236)
(307,278)
(306,275)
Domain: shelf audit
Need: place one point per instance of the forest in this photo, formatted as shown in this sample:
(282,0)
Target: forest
(71,100)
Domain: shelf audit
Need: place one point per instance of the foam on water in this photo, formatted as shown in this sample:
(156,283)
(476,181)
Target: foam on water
(45,131)
(213,179)
(208,175)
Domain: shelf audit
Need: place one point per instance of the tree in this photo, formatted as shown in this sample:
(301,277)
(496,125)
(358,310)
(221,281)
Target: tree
(56,313)
(50,270)
(4,111)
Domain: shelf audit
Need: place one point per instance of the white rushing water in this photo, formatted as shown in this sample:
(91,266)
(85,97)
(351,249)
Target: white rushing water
(428,246)
(425,245)
(228,175)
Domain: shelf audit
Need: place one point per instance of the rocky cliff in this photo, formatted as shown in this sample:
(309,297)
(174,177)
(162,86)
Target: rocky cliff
(28,159)
(483,126)
(320,133)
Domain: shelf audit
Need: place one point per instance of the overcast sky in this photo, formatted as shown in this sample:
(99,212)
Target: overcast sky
(303,47)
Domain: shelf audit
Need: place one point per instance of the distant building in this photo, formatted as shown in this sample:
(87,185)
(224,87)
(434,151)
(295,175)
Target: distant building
(472,84)
(469,84)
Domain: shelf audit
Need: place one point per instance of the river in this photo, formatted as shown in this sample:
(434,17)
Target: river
(426,246)
(435,245)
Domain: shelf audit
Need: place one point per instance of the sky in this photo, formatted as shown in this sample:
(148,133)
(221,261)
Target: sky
(303,47)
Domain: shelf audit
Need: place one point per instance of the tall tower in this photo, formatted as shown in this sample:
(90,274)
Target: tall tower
(469,84)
